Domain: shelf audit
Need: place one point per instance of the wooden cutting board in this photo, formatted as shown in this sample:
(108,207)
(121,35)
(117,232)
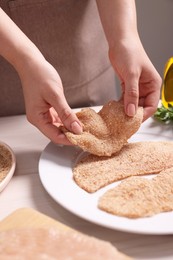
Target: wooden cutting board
(26,217)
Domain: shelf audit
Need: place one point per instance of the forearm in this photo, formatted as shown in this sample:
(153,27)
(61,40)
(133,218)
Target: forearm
(14,44)
(45,102)
(118,18)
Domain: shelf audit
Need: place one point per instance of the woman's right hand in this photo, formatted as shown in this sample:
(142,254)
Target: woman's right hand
(46,106)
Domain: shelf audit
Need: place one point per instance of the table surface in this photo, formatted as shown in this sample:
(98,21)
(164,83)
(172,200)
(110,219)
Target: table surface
(25,189)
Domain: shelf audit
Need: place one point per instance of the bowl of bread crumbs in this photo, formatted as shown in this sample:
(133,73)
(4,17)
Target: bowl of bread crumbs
(7,165)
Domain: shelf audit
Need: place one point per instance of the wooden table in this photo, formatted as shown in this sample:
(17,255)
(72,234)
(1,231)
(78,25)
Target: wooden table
(26,190)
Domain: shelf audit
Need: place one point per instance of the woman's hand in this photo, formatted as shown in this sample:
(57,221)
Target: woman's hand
(140,81)
(46,106)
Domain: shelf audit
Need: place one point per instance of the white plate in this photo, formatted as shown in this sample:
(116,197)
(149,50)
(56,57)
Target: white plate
(55,169)
(11,170)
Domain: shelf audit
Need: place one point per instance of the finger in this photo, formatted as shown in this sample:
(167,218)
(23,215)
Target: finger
(150,104)
(65,113)
(55,118)
(131,96)
(52,132)
(46,123)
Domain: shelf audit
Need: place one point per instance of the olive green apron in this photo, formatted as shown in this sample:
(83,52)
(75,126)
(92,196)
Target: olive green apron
(70,36)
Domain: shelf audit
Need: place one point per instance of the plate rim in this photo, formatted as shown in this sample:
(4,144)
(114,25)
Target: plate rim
(130,230)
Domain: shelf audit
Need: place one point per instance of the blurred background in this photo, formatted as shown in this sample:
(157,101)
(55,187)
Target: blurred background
(155,26)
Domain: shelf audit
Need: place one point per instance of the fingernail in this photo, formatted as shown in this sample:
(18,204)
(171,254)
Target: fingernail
(131,110)
(76,128)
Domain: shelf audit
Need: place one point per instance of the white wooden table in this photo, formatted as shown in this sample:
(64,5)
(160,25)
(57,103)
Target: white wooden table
(26,190)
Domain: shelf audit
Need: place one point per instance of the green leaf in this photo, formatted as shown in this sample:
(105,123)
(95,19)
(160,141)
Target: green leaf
(164,114)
